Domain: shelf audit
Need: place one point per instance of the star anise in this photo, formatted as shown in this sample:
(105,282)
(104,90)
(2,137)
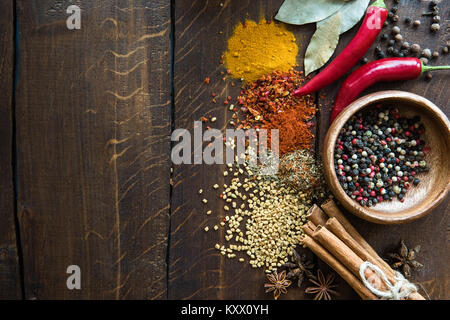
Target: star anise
(405,259)
(323,286)
(278,283)
(299,268)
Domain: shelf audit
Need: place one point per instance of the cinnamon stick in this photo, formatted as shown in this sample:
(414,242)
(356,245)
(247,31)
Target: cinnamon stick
(328,258)
(332,210)
(316,215)
(338,230)
(309,228)
(351,260)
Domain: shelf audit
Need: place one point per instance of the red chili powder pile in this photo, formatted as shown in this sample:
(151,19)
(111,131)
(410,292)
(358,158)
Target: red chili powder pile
(268,103)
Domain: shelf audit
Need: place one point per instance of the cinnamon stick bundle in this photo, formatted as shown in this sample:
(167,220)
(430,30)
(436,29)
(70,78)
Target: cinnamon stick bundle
(335,241)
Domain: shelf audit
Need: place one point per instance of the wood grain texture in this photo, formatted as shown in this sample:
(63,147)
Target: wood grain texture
(9,265)
(93,139)
(432,231)
(196,268)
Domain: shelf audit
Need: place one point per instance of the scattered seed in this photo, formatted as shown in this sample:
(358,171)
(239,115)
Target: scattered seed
(416,23)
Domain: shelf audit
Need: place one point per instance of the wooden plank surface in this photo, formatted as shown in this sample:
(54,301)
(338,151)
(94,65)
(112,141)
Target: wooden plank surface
(93,122)
(93,133)
(10,287)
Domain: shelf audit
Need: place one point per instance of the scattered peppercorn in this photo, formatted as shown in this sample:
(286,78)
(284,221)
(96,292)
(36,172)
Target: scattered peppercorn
(437,19)
(378,155)
(445,50)
(416,23)
(428,76)
(398,37)
(396,30)
(384,37)
(435,27)
(424,60)
(408,20)
(435,55)
(426,53)
(415,48)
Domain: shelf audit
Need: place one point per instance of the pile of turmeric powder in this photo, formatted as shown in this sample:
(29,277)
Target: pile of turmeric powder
(257,49)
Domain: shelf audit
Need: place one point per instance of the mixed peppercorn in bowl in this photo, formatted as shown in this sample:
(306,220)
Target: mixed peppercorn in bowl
(386,157)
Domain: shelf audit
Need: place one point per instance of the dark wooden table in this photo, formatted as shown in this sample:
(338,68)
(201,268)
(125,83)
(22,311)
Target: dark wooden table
(86,118)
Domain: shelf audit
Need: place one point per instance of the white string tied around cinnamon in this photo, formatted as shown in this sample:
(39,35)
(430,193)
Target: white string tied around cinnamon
(400,290)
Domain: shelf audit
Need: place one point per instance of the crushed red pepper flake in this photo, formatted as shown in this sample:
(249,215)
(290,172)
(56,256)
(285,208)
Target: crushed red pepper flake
(268,103)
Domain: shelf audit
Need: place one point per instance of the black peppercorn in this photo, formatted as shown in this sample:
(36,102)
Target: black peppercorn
(364,60)
(381,55)
(384,37)
(428,76)
(405,52)
(408,20)
(391,43)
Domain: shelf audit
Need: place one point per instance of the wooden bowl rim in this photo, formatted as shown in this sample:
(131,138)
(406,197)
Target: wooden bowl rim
(330,142)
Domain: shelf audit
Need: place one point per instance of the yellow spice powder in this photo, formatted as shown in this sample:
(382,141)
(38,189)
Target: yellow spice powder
(256,49)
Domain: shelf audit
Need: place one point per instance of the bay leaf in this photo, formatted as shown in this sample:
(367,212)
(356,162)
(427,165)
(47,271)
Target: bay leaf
(300,12)
(351,13)
(323,43)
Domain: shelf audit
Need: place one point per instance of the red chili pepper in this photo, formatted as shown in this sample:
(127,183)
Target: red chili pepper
(390,69)
(373,23)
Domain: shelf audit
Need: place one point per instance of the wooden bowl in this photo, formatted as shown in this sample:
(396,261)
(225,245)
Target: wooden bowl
(434,185)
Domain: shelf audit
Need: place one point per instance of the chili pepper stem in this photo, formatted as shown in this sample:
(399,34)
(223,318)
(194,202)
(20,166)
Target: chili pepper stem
(431,68)
(379,3)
